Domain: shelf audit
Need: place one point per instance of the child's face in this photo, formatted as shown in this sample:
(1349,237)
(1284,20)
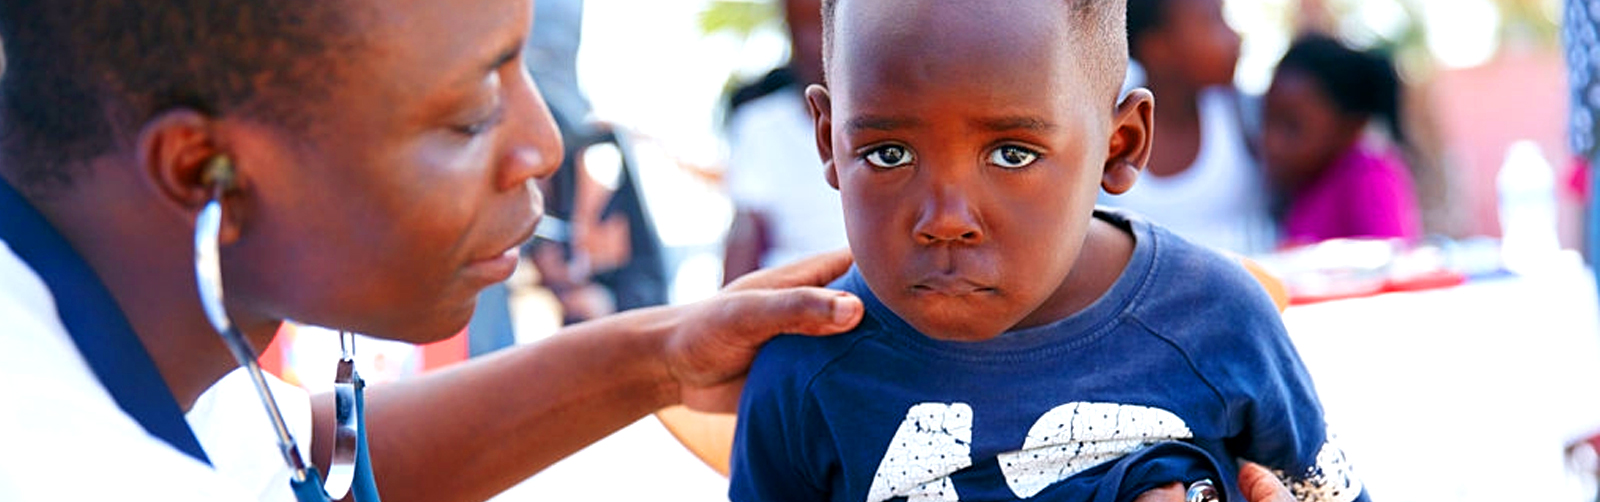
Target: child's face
(968,143)
(1303,131)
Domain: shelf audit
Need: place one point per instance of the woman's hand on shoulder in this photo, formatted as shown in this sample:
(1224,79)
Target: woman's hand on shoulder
(713,342)
(1261,485)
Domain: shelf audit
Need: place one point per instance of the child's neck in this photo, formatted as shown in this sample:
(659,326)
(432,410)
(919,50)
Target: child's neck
(1107,249)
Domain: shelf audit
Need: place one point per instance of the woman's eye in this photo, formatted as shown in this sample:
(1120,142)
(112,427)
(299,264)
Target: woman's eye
(482,126)
(1013,157)
(889,156)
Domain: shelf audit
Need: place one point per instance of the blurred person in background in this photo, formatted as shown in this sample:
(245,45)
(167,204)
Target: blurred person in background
(607,257)
(551,53)
(1330,139)
(1203,180)
(611,258)
(784,210)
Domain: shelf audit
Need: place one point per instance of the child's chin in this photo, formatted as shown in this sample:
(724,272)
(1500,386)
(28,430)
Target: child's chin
(962,330)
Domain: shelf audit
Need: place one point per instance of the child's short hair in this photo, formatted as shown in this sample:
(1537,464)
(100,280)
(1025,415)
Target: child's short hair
(1101,33)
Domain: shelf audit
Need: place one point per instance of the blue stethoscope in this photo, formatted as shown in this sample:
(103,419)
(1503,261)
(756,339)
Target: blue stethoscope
(351,467)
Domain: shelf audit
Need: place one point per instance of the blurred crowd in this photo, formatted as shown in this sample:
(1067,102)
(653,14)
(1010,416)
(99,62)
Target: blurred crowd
(1350,138)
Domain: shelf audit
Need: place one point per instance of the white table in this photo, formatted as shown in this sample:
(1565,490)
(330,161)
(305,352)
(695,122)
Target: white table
(1462,394)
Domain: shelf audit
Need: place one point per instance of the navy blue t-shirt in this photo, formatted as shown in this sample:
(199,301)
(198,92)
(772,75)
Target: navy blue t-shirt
(1185,347)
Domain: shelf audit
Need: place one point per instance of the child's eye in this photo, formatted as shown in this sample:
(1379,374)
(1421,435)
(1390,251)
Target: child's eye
(1013,157)
(889,156)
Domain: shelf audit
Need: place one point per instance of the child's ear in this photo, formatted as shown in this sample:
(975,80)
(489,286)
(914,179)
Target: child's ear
(821,106)
(1133,129)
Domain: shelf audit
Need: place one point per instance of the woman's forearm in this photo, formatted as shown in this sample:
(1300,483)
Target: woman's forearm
(470,431)
(473,430)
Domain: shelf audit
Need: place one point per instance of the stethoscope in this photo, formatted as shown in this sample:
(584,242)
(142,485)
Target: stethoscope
(351,467)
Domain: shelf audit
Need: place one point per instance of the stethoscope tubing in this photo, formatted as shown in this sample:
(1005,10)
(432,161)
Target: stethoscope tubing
(352,466)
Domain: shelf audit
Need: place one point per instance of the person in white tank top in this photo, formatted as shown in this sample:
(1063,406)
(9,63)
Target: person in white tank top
(1203,180)
(1220,200)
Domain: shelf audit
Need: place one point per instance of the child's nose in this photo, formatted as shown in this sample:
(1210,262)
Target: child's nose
(948,217)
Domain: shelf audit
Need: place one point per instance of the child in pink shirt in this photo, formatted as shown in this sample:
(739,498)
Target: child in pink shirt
(1338,182)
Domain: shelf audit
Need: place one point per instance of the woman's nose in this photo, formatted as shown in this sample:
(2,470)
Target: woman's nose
(533,142)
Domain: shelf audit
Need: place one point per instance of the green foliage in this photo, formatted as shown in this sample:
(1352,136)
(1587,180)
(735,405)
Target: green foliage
(1536,20)
(738,17)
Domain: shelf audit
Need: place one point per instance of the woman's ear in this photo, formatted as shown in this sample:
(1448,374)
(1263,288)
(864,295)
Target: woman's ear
(176,149)
(821,106)
(1132,134)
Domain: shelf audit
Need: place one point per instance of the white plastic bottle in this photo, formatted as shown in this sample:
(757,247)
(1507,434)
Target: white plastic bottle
(1526,186)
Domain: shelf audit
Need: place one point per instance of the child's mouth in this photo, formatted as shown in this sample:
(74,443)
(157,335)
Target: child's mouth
(950,286)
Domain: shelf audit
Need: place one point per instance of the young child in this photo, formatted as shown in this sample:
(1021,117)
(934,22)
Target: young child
(1338,182)
(1204,180)
(1018,343)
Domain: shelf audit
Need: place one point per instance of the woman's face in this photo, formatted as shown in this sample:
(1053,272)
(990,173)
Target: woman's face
(412,189)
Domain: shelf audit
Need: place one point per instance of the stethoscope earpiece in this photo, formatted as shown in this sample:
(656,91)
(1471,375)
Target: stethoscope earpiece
(218,174)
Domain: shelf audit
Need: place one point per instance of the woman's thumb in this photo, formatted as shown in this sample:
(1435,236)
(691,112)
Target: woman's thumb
(1261,485)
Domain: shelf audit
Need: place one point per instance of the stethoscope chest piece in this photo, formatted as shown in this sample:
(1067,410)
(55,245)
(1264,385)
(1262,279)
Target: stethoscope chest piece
(347,421)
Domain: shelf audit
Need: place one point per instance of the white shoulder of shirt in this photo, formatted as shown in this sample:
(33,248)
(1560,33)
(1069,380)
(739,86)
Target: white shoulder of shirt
(231,424)
(64,437)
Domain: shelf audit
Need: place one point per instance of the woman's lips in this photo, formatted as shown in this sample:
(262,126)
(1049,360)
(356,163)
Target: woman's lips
(500,266)
(492,270)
